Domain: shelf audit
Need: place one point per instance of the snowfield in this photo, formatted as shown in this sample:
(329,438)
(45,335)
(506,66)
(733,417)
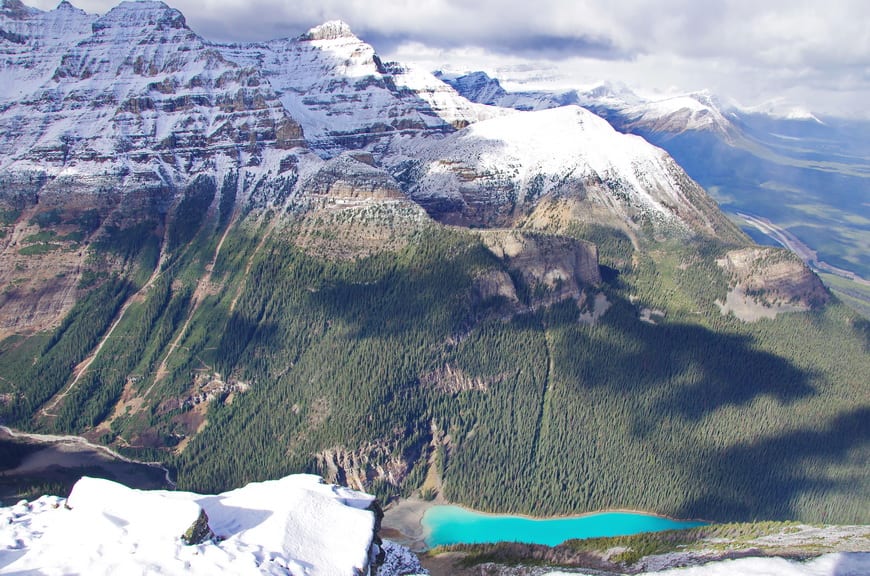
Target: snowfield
(296,525)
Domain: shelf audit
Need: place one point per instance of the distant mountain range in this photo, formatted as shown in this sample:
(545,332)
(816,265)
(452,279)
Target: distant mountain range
(807,176)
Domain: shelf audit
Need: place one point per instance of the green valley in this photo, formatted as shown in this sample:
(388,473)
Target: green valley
(244,354)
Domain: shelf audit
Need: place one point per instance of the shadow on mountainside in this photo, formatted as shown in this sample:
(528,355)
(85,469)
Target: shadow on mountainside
(710,422)
(685,370)
(771,477)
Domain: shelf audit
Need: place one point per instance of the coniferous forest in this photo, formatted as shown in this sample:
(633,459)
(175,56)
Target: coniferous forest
(239,355)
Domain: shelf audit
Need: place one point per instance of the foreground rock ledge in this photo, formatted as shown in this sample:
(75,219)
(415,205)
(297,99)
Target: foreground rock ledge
(295,525)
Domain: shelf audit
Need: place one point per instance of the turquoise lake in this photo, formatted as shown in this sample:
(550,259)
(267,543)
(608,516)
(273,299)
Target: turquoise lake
(454,525)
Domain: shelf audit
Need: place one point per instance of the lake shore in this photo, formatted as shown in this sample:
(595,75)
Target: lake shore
(59,461)
(403,522)
(403,519)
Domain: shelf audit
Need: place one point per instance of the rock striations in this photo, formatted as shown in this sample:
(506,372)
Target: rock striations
(124,114)
(136,99)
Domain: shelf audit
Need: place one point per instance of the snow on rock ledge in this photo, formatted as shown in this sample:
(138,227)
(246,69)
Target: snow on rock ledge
(297,525)
(332,30)
(140,513)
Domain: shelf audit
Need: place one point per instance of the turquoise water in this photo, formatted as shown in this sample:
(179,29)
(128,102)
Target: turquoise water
(454,525)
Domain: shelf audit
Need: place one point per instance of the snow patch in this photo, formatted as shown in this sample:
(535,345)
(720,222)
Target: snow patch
(296,525)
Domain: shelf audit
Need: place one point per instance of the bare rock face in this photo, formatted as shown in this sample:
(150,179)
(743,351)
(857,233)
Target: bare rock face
(553,268)
(350,177)
(359,468)
(451,380)
(495,284)
(199,531)
(349,208)
(766,281)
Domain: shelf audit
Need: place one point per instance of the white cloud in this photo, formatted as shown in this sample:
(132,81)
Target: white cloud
(814,53)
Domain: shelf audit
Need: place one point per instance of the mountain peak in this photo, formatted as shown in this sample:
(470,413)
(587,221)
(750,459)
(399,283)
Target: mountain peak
(15,9)
(476,86)
(332,30)
(141,13)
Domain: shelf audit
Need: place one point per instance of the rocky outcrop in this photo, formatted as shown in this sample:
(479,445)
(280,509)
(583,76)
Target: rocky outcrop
(349,208)
(766,281)
(775,275)
(199,531)
(451,380)
(351,177)
(359,468)
(550,268)
(332,30)
(495,283)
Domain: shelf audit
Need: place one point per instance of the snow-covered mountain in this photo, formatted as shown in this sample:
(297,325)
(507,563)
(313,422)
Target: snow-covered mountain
(296,525)
(34,42)
(344,96)
(132,91)
(136,89)
(696,111)
(496,173)
(137,97)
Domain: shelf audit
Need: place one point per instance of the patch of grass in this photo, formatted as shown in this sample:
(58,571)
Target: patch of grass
(853,294)
(639,546)
(38,249)
(41,237)
(591,551)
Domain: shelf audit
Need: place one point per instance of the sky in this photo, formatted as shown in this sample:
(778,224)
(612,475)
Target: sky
(774,54)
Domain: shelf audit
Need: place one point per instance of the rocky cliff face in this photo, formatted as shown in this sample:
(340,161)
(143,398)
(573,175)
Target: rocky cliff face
(345,97)
(135,94)
(551,268)
(772,278)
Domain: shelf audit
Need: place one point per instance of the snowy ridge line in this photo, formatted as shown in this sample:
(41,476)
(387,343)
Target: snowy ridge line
(694,111)
(144,95)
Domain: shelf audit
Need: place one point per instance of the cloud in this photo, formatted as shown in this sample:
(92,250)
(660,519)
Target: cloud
(745,49)
(540,46)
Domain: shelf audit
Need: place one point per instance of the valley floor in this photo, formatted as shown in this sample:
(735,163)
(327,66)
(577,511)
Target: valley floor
(40,463)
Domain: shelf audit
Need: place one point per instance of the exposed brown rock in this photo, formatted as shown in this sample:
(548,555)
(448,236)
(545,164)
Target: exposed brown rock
(556,265)
(359,468)
(766,281)
(451,380)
